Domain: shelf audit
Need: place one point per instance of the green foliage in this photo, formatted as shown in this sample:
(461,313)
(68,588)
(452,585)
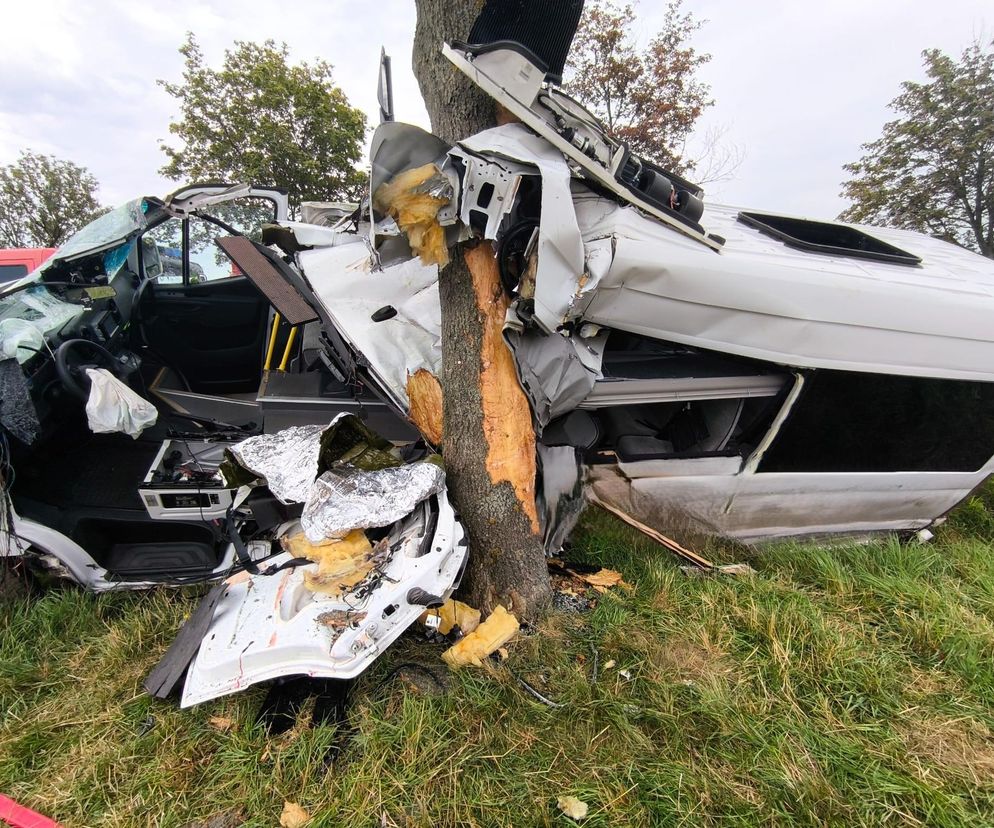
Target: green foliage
(258,119)
(648,97)
(44,200)
(932,170)
(850,685)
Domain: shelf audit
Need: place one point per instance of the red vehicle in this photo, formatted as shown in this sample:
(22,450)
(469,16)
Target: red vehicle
(16,262)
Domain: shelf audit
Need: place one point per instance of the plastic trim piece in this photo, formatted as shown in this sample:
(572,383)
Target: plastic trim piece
(874,249)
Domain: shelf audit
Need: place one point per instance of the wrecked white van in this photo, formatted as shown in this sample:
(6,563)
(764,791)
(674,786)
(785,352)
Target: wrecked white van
(699,368)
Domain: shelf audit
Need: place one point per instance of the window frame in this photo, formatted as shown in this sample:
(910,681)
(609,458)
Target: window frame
(884,251)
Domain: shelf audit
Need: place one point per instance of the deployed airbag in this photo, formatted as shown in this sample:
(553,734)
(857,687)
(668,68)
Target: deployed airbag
(112,406)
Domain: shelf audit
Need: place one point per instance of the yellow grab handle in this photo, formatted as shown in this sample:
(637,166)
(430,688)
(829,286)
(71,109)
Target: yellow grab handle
(289,346)
(272,342)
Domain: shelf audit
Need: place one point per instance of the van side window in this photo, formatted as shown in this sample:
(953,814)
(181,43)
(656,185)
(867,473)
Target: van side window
(855,422)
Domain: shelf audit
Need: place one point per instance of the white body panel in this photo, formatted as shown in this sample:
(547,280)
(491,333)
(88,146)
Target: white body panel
(764,300)
(269,626)
(65,558)
(754,507)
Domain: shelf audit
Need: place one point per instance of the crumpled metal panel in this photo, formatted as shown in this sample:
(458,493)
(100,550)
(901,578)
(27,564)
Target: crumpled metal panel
(552,371)
(562,495)
(351,291)
(347,499)
(287,460)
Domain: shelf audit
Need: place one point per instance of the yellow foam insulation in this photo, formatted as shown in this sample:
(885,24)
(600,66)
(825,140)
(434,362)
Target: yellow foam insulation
(575,809)
(425,393)
(507,419)
(407,199)
(499,628)
(454,614)
(341,563)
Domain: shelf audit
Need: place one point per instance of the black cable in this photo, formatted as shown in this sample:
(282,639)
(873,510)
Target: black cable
(411,665)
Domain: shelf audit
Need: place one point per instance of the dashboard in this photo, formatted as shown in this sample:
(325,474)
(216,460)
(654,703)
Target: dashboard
(60,309)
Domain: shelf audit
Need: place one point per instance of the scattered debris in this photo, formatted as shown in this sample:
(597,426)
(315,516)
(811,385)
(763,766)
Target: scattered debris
(625,674)
(499,628)
(453,614)
(566,600)
(571,581)
(222,723)
(609,664)
(535,693)
(293,816)
(575,809)
(231,818)
(339,620)
(730,570)
(700,565)
(604,579)
(593,669)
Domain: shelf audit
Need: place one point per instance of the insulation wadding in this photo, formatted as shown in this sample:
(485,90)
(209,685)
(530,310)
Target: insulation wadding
(347,499)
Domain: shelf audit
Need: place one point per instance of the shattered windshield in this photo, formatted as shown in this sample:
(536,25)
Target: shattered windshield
(30,310)
(28,317)
(111,227)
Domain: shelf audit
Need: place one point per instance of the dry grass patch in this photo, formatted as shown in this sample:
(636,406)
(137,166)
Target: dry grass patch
(961,747)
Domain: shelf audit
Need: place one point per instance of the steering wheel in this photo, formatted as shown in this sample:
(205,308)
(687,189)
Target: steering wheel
(71,365)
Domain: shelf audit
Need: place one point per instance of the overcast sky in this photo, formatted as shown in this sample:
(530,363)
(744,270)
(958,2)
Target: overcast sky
(798,85)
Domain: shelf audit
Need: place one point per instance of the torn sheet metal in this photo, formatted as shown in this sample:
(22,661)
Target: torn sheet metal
(561,496)
(268,626)
(352,291)
(560,245)
(313,235)
(552,371)
(397,146)
(324,213)
(565,125)
(347,499)
(489,187)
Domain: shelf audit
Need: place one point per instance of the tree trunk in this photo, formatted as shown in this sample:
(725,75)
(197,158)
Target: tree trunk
(489,440)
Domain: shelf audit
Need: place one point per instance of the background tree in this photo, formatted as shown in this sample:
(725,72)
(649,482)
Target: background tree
(649,97)
(932,169)
(487,435)
(44,200)
(258,119)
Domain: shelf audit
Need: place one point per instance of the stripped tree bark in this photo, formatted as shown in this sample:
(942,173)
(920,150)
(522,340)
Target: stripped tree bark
(488,437)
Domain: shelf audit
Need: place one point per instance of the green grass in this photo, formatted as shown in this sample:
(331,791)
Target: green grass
(843,686)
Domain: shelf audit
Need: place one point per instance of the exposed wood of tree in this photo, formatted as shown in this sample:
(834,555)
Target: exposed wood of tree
(489,441)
